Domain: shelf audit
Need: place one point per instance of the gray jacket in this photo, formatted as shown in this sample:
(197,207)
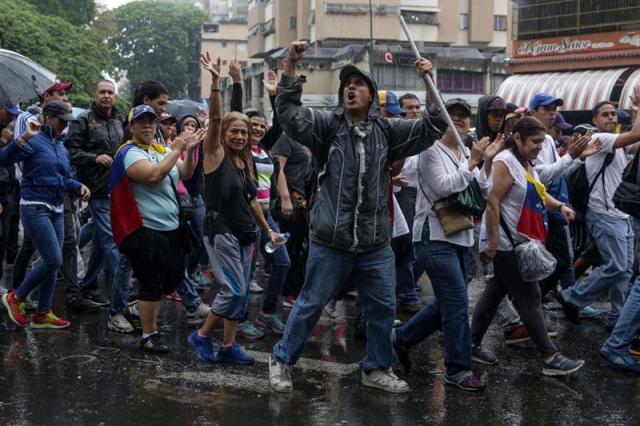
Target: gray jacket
(349,208)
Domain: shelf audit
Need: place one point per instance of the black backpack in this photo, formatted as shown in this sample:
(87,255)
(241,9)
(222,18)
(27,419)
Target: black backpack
(580,188)
(627,195)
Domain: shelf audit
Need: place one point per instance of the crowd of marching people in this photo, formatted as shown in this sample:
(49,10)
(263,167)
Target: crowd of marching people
(363,199)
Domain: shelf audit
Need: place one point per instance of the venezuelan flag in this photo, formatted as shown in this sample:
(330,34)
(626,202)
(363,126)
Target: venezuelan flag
(125,215)
(533,216)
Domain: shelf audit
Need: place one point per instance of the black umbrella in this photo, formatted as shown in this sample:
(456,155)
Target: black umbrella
(181,107)
(21,78)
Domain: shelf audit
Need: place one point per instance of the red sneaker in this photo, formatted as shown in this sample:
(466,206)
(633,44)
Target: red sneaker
(48,320)
(15,308)
(518,335)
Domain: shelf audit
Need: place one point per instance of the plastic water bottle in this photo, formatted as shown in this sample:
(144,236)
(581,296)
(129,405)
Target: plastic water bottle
(281,239)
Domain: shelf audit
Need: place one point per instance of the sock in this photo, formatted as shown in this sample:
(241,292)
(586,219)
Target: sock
(550,357)
(266,315)
(135,311)
(227,346)
(145,335)
(200,335)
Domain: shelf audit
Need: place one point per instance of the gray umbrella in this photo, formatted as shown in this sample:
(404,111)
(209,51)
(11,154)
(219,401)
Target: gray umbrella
(21,78)
(181,107)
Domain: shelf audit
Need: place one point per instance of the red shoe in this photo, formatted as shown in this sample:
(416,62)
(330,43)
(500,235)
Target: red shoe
(518,335)
(289,301)
(16,309)
(48,320)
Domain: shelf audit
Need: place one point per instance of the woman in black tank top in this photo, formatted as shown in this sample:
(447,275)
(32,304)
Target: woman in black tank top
(230,229)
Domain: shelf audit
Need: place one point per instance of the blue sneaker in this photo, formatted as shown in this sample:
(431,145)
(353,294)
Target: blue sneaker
(589,312)
(202,346)
(620,361)
(234,354)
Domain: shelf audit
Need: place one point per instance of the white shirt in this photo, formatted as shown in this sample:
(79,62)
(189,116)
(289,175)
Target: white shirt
(400,226)
(550,166)
(601,195)
(441,174)
(410,172)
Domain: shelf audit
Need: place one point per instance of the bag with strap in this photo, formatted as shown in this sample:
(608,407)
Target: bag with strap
(535,262)
(469,201)
(188,238)
(450,217)
(627,195)
(580,188)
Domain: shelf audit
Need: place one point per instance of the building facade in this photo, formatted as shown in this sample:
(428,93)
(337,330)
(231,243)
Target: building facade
(465,39)
(581,50)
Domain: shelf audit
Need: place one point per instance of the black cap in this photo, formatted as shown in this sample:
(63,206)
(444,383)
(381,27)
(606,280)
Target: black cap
(458,102)
(497,104)
(58,109)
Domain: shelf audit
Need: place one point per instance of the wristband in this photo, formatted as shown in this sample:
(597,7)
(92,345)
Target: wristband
(561,206)
(21,141)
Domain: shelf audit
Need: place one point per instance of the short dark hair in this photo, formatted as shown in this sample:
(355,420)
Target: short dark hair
(104,80)
(149,88)
(596,108)
(407,96)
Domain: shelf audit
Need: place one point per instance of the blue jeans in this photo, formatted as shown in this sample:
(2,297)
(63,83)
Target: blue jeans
(280,264)
(121,286)
(447,266)
(614,238)
(628,323)
(46,229)
(199,257)
(328,269)
(188,293)
(405,258)
(104,248)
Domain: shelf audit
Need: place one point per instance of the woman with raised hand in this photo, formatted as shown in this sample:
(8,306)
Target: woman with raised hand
(145,214)
(232,212)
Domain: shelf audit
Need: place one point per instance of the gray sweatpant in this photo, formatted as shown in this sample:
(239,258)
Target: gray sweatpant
(231,266)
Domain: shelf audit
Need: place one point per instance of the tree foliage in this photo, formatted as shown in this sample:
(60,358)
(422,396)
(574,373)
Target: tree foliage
(74,54)
(159,40)
(77,12)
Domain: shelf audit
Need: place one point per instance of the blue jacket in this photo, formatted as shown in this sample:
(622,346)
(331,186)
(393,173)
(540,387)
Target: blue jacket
(46,173)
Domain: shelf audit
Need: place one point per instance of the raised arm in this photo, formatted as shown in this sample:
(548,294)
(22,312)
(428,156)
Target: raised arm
(274,132)
(188,164)
(236,90)
(633,136)
(301,124)
(213,151)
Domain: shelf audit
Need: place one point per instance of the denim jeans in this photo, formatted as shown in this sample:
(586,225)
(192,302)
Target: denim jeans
(405,258)
(199,257)
(188,293)
(614,238)
(280,264)
(447,266)
(46,229)
(328,269)
(628,323)
(103,239)
(121,286)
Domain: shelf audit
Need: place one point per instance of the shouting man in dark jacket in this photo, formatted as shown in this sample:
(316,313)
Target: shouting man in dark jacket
(350,227)
(92,143)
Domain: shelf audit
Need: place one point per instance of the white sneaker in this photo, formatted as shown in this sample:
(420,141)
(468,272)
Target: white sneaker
(254,287)
(279,376)
(199,315)
(385,380)
(119,323)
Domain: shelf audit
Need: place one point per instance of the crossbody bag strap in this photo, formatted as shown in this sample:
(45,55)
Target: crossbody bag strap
(175,192)
(505,228)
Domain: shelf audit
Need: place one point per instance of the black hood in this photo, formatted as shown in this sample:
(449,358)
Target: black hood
(181,120)
(482,127)
(374,109)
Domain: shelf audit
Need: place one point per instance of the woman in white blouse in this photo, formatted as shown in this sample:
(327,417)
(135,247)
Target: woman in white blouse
(443,170)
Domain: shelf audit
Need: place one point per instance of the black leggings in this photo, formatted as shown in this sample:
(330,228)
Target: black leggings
(157,259)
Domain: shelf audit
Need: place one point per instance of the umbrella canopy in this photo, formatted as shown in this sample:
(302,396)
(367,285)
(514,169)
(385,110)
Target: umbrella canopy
(21,78)
(181,107)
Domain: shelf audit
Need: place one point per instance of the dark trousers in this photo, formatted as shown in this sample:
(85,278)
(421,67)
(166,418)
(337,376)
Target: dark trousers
(5,224)
(298,249)
(14,227)
(524,295)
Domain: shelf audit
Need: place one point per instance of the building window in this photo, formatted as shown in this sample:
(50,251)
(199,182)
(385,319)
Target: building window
(224,44)
(454,81)
(293,22)
(500,22)
(420,18)
(463,22)
(211,28)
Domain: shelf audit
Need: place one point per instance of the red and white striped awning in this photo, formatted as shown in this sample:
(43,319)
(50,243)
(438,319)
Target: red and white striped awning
(580,90)
(627,90)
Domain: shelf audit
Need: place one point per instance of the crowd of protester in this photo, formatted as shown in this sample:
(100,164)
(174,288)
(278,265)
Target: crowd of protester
(362,200)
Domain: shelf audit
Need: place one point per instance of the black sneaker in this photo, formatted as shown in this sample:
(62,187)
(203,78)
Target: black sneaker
(154,344)
(571,311)
(97,299)
(470,383)
(81,304)
(481,356)
(560,365)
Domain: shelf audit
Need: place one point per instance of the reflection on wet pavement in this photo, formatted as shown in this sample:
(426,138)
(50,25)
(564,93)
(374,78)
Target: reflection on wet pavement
(87,375)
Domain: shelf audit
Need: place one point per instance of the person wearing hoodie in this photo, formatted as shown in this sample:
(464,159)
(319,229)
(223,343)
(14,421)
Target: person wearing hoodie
(352,148)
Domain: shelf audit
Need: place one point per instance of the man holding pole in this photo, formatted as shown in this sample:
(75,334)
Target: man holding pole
(352,148)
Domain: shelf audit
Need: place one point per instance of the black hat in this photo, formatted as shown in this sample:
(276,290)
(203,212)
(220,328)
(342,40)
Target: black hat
(458,102)
(58,109)
(497,104)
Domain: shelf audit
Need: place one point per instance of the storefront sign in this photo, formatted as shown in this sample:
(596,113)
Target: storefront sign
(588,43)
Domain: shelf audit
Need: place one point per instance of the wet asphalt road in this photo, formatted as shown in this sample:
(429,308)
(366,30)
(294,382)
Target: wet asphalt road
(87,375)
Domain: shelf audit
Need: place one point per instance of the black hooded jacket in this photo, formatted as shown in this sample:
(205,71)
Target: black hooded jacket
(349,207)
(482,126)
